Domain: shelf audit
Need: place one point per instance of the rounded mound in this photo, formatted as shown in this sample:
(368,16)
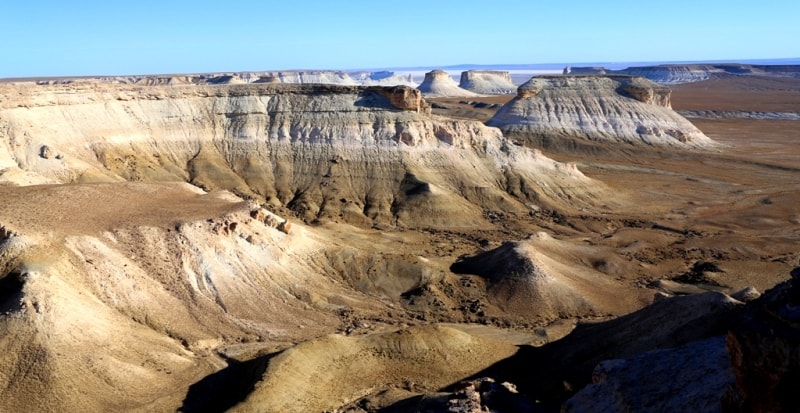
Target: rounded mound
(327,373)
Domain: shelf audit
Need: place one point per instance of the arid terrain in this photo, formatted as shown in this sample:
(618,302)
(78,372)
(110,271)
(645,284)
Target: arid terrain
(306,248)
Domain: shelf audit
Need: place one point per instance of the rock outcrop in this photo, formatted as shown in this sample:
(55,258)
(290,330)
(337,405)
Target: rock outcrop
(596,108)
(438,83)
(764,348)
(306,147)
(689,378)
(487,82)
(673,327)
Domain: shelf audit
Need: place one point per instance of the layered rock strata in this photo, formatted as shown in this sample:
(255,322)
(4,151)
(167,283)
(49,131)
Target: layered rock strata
(487,82)
(438,83)
(597,108)
(362,155)
(148,270)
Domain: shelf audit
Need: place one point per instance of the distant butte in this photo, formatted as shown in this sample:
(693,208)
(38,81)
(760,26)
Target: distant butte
(550,110)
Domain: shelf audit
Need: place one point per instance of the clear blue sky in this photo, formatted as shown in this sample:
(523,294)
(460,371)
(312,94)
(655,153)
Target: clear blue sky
(49,38)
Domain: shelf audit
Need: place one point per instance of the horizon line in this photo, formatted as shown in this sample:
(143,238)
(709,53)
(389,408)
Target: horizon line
(460,66)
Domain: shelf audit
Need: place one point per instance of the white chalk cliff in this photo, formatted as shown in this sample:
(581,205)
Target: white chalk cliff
(302,146)
(487,82)
(597,108)
(438,83)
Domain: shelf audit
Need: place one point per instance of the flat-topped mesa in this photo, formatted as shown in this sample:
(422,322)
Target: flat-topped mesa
(487,82)
(610,108)
(438,83)
(360,154)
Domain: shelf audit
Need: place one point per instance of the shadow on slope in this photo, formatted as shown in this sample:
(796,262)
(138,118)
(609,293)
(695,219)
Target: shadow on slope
(224,389)
(554,372)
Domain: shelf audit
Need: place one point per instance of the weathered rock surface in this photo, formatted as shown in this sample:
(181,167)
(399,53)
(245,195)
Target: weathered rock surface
(438,83)
(487,82)
(356,154)
(557,370)
(471,396)
(764,347)
(618,109)
(690,378)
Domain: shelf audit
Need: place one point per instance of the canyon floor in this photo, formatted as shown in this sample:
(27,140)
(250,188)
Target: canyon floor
(672,221)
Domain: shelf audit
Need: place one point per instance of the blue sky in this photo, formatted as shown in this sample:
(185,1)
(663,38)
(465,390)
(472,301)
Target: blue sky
(67,38)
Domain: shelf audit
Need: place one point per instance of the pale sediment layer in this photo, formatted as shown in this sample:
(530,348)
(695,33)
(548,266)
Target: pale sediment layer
(599,108)
(487,82)
(362,155)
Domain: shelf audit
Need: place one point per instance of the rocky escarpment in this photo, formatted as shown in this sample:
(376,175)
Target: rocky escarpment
(549,110)
(764,348)
(362,155)
(487,82)
(438,83)
(687,73)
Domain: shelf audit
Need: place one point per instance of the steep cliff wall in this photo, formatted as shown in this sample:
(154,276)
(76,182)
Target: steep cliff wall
(362,155)
(597,108)
(487,82)
(438,83)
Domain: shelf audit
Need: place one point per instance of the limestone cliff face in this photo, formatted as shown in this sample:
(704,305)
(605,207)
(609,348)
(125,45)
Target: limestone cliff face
(487,82)
(438,83)
(363,155)
(597,108)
